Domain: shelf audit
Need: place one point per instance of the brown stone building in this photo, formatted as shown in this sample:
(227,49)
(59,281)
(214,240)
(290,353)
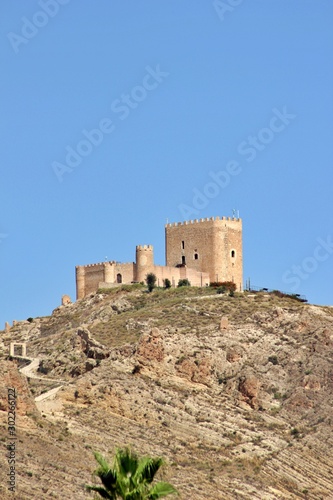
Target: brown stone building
(201,251)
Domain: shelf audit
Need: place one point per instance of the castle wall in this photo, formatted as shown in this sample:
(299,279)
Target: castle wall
(163,272)
(228,255)
(91,277)
(126,270)
(203,250)
(174,274)
(196,278)
(213,246)
(93,274)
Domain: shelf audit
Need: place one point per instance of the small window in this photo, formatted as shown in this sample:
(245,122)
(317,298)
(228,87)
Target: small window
(183,245)
(233,253)
(183,260)
(196,256)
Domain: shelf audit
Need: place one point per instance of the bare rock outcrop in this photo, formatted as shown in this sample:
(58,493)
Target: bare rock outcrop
(224,323)
(239,412)
(90,346)
(249,388)
(121,305)
(195,369)
(150,347)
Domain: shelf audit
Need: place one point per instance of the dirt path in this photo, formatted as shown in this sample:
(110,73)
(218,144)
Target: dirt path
(45,402)
(30,371)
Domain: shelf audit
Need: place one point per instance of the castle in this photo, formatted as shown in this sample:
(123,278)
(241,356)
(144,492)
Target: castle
(201,251)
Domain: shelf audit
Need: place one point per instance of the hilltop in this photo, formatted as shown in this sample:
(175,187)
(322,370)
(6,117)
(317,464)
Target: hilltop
(235,393)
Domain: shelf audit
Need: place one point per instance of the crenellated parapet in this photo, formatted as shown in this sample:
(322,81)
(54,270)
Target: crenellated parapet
(203,220)
(202,250)
(212,245)
(147,248)
(109,262)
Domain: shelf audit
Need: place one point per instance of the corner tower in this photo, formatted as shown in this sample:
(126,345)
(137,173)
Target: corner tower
(211,245)
(80,282)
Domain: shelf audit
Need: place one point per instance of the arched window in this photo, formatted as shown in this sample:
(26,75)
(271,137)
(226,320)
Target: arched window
(119,278)
(196,256)
(233,253)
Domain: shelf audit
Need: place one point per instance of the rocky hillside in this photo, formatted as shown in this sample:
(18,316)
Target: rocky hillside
(235,393)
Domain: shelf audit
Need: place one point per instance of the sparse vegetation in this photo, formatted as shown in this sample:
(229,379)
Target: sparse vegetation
(223,286)
(295,432)
(184,282)
(213,435)
(151,281)
(293,296)
(273,359)
(167,283)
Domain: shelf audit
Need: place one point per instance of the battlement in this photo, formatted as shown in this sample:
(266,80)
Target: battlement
(201,250)
(110,262)
(201,221)
(145,247)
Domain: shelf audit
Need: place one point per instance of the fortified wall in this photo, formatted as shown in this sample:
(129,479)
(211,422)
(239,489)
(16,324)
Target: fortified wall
(91,277)
(201,251)
(212,245)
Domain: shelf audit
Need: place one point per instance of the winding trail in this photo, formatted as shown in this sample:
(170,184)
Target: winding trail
(30,372)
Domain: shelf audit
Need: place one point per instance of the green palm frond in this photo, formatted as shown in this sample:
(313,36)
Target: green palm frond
(130,477)
(137,494)
(160,490)
(105,473)
(102,491)
(101,460)
(147,468)
(126,462)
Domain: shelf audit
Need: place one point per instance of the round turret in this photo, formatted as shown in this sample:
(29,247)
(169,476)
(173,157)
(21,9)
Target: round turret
(108,272)
(144,258)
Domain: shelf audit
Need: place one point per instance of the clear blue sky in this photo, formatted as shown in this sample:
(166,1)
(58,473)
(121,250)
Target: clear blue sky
(185,95)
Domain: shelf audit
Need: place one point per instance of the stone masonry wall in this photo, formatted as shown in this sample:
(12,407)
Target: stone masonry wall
(204,250)
(174,274)
(210,245)
(126,271)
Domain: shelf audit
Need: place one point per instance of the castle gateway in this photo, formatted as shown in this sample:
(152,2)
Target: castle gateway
(201,250)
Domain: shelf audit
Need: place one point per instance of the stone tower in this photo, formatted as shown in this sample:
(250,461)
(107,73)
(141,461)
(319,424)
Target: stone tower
(211,245)
(80,282)
(144,261)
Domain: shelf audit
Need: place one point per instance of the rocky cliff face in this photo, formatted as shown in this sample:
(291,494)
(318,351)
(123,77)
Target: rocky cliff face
(235,392)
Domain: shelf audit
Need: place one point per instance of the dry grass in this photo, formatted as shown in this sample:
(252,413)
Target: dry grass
(186,309)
